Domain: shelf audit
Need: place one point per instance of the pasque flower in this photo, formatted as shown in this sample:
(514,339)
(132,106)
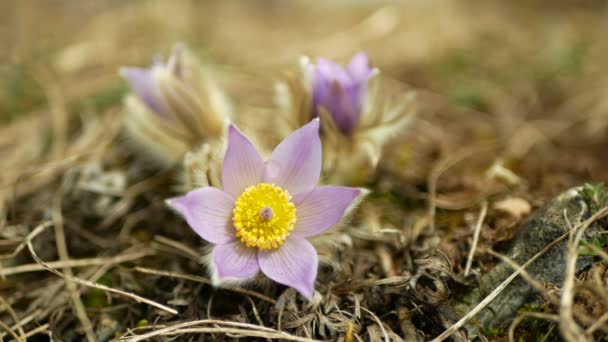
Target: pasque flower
(261,218)
(340,91)
(175,106)
(359,112)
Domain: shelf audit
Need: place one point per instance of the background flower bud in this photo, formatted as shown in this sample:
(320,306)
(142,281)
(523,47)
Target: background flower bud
(175,106)
(359,111)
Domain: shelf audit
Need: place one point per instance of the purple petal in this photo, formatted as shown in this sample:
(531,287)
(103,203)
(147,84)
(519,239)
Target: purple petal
(234,260)
(295,164)
(341,92)
(342,104)
(142,83)
(332,71)
(320,89)
(243,166)
(293,264)
(208,211)
(321,209)
(359,69)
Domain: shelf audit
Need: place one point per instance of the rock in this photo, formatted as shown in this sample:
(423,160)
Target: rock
(543,227)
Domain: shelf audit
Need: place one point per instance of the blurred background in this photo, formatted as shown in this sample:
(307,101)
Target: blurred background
(534,70)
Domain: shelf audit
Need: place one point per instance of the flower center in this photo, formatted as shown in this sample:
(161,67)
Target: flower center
(263,216)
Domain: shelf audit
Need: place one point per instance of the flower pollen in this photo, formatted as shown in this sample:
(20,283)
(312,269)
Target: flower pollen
(263,216)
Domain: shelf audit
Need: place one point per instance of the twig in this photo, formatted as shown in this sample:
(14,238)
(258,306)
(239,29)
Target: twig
(35,331)
(179,246)
(386,261)
(135,297)
(548,333)
(11,332)
(527,277)
(482,216)
(571,331)
(62,251)
(73,263)
(256,314)
(488,299)
(384,333)
(398,280)
(14,316)
(205,281)
(31,235)
(597,324)
(245,330)
(22,323)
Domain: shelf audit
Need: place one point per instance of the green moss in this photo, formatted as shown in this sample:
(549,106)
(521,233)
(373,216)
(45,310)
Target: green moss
(492,332)
(110,96)
(96,298)
(19,92)
(571,59)
(600,242)
(469,98)
(595,196)
(143,323)
(532,328)
(531,307)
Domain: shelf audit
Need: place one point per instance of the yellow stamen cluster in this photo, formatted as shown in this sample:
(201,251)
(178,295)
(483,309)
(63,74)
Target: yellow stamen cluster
(263,216)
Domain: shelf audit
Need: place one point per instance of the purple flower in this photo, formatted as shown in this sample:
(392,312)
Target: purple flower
(146,86)
(267,209)
(340,91)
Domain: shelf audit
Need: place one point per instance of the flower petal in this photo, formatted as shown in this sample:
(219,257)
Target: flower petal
(293,264)
(243,166)
(321,209)
(320,89)
(234,260)
(295,164)
(359,69)
(142,83)
(208,211)
(332,71)
(343,108)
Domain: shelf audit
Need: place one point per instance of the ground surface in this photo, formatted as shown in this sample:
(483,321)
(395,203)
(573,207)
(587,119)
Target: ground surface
(514,112)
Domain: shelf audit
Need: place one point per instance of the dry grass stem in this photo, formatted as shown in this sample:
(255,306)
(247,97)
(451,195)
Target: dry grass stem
(570,329)
(11,332)
(18,324)
(22,245)
(242,329)
(595,326)
(74,263)
(384,333)
(205,281)
(193,254)
(482,216)
(552,298)
(62,250)
(135,297)
(33,332)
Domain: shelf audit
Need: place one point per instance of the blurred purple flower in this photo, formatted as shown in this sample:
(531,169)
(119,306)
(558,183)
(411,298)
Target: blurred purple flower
(144,84)
(340,91)
(267,209)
